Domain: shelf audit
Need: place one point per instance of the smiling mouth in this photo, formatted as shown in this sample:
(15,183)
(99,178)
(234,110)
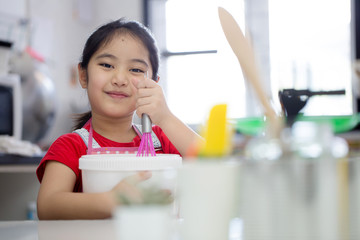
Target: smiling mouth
(117,94)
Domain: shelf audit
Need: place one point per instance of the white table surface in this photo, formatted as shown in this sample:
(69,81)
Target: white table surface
(56,230)
(74,230)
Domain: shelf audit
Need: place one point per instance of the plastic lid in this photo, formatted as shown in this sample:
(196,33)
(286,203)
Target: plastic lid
(129,162)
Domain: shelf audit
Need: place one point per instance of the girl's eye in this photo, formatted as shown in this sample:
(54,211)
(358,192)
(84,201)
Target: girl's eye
(136,70)
(105,65)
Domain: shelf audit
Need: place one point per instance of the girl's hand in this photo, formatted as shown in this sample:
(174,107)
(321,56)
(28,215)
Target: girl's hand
(127,187)
(151,100)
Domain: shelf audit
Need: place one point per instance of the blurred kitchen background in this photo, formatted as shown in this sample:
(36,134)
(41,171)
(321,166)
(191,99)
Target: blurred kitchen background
(301,44)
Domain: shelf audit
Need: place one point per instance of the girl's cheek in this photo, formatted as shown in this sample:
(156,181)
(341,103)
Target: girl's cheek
(133,87)
(135,82)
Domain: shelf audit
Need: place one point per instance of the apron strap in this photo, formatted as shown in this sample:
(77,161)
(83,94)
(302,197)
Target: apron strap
(90,142)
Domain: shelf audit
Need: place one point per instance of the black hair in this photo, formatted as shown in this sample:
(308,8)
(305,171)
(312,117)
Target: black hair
(104,35)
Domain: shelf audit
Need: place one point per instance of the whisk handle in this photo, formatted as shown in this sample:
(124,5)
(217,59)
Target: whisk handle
(146,123)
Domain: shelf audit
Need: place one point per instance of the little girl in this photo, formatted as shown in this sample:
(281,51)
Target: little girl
(115,59)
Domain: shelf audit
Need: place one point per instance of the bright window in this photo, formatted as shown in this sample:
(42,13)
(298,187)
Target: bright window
(310,48)
(201,69)
(308,43)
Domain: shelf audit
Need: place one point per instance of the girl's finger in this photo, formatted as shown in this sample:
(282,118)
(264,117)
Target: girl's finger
(147,83)
(138,177)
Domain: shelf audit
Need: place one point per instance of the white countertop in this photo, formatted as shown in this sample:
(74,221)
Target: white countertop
(75,230)
(58,230)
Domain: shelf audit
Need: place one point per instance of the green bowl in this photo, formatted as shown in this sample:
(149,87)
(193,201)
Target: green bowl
(256,125)
(339,123)
(250,125)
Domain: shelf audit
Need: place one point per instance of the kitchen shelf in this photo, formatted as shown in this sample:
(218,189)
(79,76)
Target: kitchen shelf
(18,164)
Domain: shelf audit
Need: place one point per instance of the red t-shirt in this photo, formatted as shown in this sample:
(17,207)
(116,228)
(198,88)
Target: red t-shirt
(68,148)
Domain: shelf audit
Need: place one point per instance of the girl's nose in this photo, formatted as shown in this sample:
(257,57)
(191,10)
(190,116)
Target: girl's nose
(120,78)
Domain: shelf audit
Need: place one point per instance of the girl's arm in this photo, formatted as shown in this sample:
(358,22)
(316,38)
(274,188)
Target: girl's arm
(56,199)
(180,135)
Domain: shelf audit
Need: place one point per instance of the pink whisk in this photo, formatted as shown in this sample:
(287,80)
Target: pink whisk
(146,145)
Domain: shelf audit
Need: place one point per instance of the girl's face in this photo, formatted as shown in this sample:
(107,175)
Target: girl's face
(112,72)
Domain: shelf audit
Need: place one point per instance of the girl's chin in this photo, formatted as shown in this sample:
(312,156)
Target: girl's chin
(116,114)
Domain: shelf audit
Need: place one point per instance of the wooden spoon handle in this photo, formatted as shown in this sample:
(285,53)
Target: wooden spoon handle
(245,55)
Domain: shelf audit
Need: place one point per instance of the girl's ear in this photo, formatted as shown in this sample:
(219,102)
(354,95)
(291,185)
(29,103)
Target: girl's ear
(82,76)
(157,79)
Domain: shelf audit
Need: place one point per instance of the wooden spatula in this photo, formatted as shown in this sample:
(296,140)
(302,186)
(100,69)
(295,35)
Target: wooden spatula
(245,55)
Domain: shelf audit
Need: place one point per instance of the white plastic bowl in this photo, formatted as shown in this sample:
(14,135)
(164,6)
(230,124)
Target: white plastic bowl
(102,172)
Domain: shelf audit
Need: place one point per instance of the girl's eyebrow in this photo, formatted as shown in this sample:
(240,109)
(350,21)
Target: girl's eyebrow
(106,55)
(140,61)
